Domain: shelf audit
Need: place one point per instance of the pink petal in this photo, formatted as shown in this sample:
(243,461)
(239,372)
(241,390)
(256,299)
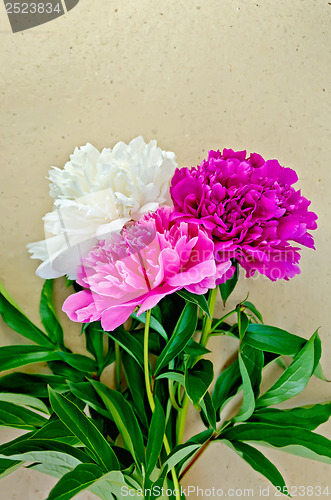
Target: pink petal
(81,307)
(115,316)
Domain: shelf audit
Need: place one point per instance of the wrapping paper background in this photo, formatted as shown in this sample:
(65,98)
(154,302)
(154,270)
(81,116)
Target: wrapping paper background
(195,75)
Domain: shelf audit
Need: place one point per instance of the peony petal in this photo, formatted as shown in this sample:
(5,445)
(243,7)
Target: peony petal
(115,316)
(193,275)
(81,307)
(155,296)
(96,193)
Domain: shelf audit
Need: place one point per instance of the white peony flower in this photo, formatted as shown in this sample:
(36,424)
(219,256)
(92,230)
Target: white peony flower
(97,193)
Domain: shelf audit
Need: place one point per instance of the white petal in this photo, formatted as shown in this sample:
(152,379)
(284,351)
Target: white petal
(114,226)
(97,193)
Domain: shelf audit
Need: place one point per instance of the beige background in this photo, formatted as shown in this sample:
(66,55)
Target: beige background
(196,75)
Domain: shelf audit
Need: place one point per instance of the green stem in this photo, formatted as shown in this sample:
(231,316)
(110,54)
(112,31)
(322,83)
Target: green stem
(172,395)
(151,399)
(181,419)
(222,319)
(208,321)
(205,334)
(117,367)
(146,362)
(206,331)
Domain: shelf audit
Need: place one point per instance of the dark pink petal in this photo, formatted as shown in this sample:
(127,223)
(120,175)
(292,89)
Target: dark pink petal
(288,227)
(288,176)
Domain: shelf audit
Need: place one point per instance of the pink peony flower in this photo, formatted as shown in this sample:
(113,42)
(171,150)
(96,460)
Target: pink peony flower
(250,209)
(146,261)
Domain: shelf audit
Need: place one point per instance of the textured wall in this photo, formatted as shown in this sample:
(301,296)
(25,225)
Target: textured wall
(196,75)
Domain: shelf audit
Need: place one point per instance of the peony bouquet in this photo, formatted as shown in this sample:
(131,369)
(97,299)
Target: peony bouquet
(146,249)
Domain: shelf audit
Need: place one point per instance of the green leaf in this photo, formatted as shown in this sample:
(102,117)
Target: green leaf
(12,415)
(154,323)
(24,437)
(258,462)
(52,470)
(227,288)
(125,420)
(172,375)
(254,362)
(305,417)
(34,384)
(28,446)
(200,439)
(14,356)
(198,379)
(129,343)
(66,371)
(178,454)
(199,300)
(85,392)
(24,400)
(48,314)
(155,342)
(243,322)
(68,282)
(272,339)
(253,309)
(226,386)
(229,381)
(183,331)
(78,361)
(94,336)
(83,476)
(90,476)
(248,404)
(84,429)
(47,457)
(54,429)
(316,446)
(171,307)
(112,483)
(155,437)
(136,383)
(294,379)
(17,321)
(8,466)
(208,409)
(317,350)
(195,349)
(9,298)
(319,373)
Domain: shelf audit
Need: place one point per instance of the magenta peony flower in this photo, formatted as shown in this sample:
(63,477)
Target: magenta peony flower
(249,208)
(146,261)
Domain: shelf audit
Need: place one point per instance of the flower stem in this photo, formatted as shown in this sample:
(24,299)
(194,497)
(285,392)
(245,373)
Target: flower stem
(181,420)
(146,362)
(197,455)
(205,334)
(117,367)
(222,319)
(206,330)
(172,395)
(151,399)
(203,448)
